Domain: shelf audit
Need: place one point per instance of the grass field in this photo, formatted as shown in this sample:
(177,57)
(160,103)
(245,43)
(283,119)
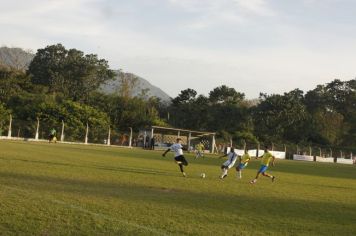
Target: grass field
(57,189)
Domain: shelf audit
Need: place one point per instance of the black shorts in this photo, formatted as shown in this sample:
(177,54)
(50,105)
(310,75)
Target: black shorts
(181,159)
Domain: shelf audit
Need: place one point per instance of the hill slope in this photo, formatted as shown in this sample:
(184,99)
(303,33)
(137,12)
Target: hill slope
(20,59)
(15,57)
(140,85)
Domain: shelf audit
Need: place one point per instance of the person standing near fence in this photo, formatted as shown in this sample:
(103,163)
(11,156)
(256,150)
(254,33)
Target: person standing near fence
(52,135)
(267,157)
(199,150)
(177,148)
(152,144)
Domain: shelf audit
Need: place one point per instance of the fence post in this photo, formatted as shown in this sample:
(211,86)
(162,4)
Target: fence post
(86,134)
(10,124)
(310,151)
(109,134)
(62,133)
(258,149)
(213,144)
(144,139)
(189,137)
(285,151)
(331,152)
(319,152)
(37,129)
(130,139)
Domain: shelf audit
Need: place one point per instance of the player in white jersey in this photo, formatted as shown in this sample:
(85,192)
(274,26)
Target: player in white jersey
(177,148)
(232,157)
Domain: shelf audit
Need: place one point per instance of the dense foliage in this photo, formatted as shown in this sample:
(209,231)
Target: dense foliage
(62,85)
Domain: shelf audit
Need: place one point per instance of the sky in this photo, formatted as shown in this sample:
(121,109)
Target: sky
(270,46)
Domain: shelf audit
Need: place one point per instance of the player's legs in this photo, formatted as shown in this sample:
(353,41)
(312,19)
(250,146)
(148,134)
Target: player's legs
(262,170)
(224,170)
(269,176)
(181,161)
(239,170)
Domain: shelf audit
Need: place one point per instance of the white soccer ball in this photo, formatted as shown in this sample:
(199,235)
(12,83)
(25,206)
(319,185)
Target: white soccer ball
(202,175)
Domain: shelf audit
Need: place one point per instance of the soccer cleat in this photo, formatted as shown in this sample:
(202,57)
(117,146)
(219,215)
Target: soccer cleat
(273,178)
(252,182)
(184,174)
(223,176)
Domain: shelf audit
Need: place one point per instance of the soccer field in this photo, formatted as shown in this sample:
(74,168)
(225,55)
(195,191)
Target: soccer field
(58,189)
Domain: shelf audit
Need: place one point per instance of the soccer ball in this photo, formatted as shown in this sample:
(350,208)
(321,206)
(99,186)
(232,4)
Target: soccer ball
(202,175)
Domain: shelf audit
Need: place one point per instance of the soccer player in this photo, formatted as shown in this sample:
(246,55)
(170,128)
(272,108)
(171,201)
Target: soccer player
(232,157)
(244,159)
(199,150)
(52,135)
(177,148)
(266,159)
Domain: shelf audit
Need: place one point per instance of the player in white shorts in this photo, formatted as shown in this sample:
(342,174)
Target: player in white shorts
(232,157)
(177,148)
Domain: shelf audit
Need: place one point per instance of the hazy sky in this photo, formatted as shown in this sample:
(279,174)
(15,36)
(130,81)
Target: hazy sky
(254,46)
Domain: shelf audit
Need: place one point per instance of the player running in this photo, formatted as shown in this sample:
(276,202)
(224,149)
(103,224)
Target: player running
(232,157)
(244,159)
(177,148)
(266,159)
(199,150)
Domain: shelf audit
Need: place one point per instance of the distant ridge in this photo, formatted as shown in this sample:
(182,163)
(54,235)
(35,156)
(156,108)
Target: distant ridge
(142,87)
(15,58)
(21,59)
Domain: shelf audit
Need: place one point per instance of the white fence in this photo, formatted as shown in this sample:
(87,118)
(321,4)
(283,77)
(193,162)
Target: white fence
(323,159)
(297,157)
(253,153)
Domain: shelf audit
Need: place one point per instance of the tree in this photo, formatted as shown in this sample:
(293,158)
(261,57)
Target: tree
(224,94)
(13,82)
(69,72)
(128,82)
(4,116)
(281,117)
(185,96)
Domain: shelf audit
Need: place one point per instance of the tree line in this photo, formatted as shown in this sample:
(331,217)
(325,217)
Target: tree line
(64,84)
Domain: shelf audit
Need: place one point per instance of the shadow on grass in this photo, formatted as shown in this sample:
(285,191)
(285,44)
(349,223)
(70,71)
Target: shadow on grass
(136,170)
(285,166)
(327,214)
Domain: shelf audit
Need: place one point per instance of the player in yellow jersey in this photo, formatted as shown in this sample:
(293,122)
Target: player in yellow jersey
(266,159)
(244,159)
(199,150)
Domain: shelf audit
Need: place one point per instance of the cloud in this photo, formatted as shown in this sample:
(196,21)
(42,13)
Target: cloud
(257,7)
(251,45)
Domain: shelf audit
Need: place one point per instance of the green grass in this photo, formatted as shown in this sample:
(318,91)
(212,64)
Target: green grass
(48,189)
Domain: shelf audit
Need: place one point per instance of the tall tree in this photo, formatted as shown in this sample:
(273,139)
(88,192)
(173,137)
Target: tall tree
(281,117)
(224,94)
(69,72)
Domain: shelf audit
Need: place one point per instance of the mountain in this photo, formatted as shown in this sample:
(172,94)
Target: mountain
(141,87)
(21,59)
(15,58)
